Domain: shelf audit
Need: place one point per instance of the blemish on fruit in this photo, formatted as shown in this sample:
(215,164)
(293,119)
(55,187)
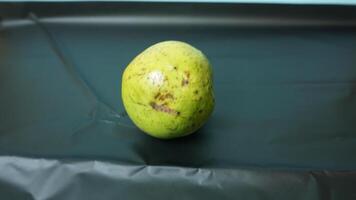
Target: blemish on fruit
(187,74)
(166,96)
(163,108)
(185,82)
(157,95)
(141,74)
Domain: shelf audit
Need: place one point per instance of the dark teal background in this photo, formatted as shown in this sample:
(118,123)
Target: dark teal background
(283,126)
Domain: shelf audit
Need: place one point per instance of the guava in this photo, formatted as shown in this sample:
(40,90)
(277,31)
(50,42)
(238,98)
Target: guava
(167,90)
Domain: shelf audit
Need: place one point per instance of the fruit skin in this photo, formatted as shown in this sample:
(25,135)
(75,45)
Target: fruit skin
(167,90)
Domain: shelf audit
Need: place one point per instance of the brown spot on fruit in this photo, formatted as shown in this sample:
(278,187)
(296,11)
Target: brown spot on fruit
(175,68)
(196,92)
(165,96)
(157,95)
(185,82)
(164,108)
(141,74)
(163,53)
(200,111)
(187,74)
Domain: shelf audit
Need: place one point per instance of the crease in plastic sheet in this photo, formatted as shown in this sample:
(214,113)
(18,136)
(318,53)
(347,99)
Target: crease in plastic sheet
(77,77)
(66,62)
(65,179)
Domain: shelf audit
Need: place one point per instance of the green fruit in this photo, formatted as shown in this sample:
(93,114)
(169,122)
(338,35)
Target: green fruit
(167,90)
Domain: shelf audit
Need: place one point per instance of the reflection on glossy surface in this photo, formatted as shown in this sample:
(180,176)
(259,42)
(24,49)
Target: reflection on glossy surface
(156,78)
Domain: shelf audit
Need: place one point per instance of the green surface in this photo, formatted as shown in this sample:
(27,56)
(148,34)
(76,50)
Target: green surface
(283,97)
(283,126)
